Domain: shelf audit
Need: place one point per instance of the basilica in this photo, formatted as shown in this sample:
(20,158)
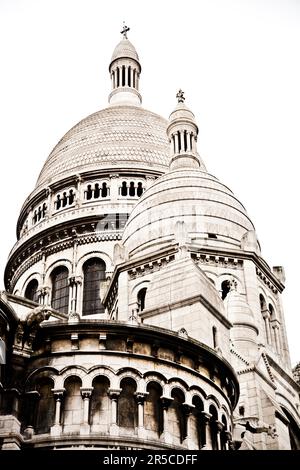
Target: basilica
(138,311)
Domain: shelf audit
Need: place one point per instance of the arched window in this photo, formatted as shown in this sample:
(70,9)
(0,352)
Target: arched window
(123,75)
(262,302)
(31,290)
(44,209)
(131,189)
(139,190)
(58,202)
(127,404)
(118,77)
(153,413)
(271,310)
(71,196)
(225,286)
(100,405)
(213,427)
(129,76)
(197,426)
(34,219)
(89,192)
(93,274)
(73,405)
(215,337)
(176,417)
(141,299)
(64,199)
(45,409)
(104,190)
(96,191)
(60,289)
(223,436)
(124,189)
(265,315)
(294,432)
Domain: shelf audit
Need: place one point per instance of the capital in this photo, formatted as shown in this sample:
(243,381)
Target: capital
(188,409)
(114,393)
(86,392)
(205,417)
(58,393)
(141,397)
(166,402)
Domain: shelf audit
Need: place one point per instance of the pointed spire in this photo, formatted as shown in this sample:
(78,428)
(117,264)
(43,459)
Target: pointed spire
(125,69)
(182,133)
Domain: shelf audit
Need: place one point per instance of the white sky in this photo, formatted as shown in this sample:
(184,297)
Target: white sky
(237,61)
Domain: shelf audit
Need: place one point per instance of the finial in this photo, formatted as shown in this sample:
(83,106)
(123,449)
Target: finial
(180,96)
(125,30)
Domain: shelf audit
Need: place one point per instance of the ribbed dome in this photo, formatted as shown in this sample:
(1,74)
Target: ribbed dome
(126,136)
(211,214)
(182,113)
(125,49)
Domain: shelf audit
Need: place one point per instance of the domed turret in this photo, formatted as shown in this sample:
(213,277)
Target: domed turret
(182,133)
(125,69)
(211,213)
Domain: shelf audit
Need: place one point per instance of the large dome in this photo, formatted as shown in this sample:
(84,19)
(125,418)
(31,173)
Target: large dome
(126,136)
(212,215)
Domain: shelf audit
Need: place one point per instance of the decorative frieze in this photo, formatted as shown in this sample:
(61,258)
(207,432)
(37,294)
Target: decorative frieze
(266,280)
(150,267)
(214,260)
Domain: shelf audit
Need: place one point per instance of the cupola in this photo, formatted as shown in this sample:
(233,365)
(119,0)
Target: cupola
(125,69)
(182,133)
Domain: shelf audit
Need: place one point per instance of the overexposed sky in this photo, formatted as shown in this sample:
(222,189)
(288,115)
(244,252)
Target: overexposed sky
(237,61)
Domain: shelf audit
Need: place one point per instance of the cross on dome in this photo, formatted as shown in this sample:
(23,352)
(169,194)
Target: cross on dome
(125,30)
(180,96)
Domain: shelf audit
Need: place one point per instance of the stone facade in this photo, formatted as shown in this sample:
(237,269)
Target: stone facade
(138,311)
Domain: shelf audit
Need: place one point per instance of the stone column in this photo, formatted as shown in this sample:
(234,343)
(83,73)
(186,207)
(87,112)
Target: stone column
(266,317)
(205,419)
(49,202)
(56,429)
(75,285)
(227,439)
(181,134)
(131,77)
(78,196)
(126,75)
(218,427)
(114,395)
(188,140)
(275,329)
(193,143)
(166,436)
(188,412)
(86,395)
(140,398)
(45,295)
(32,399)
(78,294)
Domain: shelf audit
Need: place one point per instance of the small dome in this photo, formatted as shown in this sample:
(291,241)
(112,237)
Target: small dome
(182,113)
(213,216)
(125,49)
